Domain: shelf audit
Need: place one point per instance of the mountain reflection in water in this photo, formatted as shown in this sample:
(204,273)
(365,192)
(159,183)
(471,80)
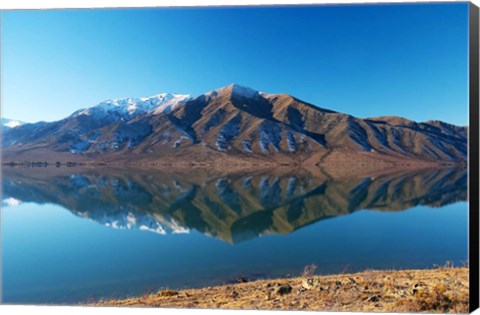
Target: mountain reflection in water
(234,207)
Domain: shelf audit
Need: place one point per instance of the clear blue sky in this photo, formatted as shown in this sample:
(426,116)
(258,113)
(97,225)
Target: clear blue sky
(408,60)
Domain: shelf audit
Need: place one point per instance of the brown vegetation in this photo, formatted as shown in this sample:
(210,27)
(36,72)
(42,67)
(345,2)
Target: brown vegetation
(436,290)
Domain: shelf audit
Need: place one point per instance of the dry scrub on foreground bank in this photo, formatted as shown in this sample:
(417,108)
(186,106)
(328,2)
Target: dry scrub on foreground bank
(437,290)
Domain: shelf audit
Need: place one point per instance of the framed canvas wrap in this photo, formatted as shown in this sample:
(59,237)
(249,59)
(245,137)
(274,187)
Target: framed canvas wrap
(263,157)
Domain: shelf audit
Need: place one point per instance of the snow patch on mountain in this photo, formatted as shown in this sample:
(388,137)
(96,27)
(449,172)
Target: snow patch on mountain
(291,142)
(131,107)
(234,89)
(10,123)
(265,95)
(13,124)
(244,91)
(170,104)
(270,133)
(228,132)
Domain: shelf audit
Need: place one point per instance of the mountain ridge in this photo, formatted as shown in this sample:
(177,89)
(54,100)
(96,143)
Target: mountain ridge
(232,125)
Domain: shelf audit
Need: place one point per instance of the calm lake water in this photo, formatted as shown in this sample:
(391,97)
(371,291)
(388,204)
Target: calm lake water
(71,235)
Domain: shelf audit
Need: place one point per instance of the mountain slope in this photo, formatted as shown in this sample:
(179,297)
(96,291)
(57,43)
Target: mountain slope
(233,125)
(77,132)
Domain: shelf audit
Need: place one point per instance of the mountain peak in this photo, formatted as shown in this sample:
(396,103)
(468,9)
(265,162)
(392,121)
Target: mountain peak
(239,90)
(243,90)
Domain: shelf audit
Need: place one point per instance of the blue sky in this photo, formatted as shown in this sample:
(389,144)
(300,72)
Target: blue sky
(408,60)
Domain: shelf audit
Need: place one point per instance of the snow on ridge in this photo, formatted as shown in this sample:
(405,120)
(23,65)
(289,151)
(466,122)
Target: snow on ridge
(228,132)
(13,124)
(270,134)
(10,123)
(172,103)
(244,91)
(237,90)
(134,106)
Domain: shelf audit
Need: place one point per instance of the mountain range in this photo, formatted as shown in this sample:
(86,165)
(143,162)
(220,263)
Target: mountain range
(233,207)
(233,125)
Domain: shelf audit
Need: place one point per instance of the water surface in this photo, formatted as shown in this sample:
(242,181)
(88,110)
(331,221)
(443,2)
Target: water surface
(72,235)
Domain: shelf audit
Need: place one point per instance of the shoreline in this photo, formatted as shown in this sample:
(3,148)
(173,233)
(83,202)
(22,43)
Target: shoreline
(442,290)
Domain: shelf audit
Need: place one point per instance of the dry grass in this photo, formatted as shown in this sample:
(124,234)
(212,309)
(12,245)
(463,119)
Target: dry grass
(443,290)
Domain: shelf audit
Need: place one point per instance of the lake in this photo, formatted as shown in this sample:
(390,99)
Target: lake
(74,235)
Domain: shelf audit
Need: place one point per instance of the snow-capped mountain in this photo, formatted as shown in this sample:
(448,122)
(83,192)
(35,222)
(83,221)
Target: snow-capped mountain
(128,108)
(233,125)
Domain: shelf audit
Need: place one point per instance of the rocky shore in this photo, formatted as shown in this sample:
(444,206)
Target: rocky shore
(442,290)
